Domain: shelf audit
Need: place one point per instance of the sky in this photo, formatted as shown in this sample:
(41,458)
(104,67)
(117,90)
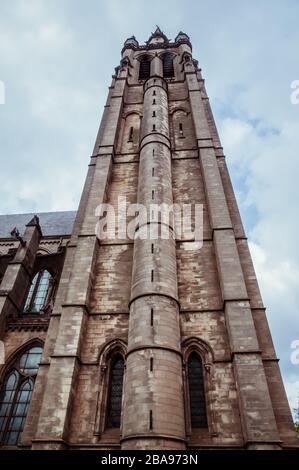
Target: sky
(56,62)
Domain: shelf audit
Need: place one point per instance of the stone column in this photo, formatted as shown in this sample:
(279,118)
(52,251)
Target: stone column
(257,417)
(17,277)
(153,408)
(156,66)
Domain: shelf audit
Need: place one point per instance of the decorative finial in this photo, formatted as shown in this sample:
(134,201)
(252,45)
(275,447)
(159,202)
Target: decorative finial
(16,235)
(131,42)
(182,36)
(158,34)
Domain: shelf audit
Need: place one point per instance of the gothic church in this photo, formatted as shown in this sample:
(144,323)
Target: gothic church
(132,343)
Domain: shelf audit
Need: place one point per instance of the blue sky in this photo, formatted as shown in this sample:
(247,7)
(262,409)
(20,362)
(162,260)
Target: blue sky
(56,61)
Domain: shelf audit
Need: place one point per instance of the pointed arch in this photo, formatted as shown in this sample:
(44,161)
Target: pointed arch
(177,109)
(197,370)
(44,251)
(182,128)
(130,132)
(112,357)
(11,359)
(194,343)
(128,113)
(144,56)
(110,348)
(39,292)
(16,391)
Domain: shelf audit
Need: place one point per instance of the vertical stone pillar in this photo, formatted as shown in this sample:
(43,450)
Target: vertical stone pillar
(257,417)
(153,409)
(17,277)
(73,304)
(156,66)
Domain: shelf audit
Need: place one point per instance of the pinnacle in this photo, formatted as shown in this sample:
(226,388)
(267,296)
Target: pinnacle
(158,31)
(33,222)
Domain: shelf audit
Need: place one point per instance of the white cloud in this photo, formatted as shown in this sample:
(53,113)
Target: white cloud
(279,277)
(53,35)
(292,389)
(267,165)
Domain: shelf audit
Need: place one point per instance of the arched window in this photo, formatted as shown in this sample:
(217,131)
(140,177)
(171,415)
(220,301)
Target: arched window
(115,393)
(112,376)
(16,394)
(39,292)
(196,392)
(168,70)
(144,69)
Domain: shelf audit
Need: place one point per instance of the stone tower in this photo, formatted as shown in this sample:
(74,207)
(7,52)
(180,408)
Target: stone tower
(150,343)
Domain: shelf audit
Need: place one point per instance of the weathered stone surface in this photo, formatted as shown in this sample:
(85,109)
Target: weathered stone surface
(152,303)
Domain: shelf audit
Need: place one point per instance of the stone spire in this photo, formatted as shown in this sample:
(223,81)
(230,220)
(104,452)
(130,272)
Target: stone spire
(158,36)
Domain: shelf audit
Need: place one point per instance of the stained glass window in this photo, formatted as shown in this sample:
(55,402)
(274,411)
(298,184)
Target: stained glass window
(115,393)
(7,399)
(196,392)
(38,292)
(30,360)
(16,394)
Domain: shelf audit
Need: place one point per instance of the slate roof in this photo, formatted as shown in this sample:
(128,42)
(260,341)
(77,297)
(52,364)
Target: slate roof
(51,223)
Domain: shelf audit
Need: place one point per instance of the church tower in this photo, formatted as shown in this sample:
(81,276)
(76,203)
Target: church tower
(152,342)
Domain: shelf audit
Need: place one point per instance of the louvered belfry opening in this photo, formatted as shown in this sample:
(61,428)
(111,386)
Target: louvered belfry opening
(196,392)
(115,393)
(144,69)
(168,70)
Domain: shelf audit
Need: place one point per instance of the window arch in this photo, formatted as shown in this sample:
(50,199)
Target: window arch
(168,70)
(183,134)
(39,292)
(112,371)
(114,403)
(129,134)
(199,383)
(198,412)
(16,393)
